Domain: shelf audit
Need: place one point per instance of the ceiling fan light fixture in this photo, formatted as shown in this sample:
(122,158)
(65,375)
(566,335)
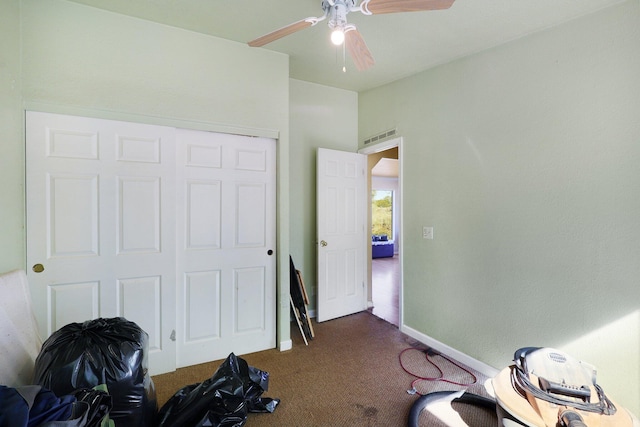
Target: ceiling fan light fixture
(337,36)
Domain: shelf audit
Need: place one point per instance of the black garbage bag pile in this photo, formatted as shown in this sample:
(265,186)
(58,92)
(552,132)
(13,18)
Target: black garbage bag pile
(101,351)
(224,400)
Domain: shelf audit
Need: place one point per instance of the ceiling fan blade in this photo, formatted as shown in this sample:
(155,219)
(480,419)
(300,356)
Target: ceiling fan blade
(284,31)
(362,57)
(378,7)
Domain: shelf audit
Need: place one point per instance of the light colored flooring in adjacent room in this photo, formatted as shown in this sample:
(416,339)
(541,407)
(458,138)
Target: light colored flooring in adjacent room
(385,286)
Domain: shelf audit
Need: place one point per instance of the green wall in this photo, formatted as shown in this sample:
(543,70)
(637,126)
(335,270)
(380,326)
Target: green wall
(526,161)
(324,117)
(69,58)
(12,242)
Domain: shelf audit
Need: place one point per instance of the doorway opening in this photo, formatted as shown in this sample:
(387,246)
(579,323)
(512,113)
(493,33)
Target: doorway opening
(384,219)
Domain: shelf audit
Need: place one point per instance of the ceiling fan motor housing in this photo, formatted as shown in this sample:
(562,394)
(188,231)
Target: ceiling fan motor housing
(337,11)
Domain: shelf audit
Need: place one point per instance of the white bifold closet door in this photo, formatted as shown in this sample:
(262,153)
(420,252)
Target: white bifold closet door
(127,219)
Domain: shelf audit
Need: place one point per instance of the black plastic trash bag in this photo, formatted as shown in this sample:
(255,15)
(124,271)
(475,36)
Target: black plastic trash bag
(102,351)
(99,404)
(224,400)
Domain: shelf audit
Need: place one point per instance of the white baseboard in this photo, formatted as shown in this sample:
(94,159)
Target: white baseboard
(285,345)
(466,360)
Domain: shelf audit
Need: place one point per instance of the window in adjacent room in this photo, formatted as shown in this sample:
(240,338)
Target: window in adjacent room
(382,213)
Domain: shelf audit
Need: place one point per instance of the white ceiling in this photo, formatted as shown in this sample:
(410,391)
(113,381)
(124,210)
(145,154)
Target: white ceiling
(402,43)
(386,168)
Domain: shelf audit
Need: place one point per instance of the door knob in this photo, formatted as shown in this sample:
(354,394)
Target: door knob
(323,243)
(38,268)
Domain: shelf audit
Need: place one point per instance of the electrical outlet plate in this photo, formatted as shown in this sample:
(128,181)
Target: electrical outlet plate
(427,233)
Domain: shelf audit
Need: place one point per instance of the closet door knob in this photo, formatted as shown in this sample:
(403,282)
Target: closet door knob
(38,268)
(323,243)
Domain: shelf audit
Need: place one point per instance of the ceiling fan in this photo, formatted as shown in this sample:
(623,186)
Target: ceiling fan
(342,32)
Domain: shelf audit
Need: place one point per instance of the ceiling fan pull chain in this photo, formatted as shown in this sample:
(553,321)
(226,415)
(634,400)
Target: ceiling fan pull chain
(344,60)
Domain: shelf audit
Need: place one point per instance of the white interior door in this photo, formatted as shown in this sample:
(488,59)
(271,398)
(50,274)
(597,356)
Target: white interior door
(226,260)
(101,225)
(341,184)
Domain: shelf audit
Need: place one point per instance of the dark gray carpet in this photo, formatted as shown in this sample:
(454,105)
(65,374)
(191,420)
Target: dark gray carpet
(349,375)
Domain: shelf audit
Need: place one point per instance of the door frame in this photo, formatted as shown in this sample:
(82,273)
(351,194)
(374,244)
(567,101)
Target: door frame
(372,149)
